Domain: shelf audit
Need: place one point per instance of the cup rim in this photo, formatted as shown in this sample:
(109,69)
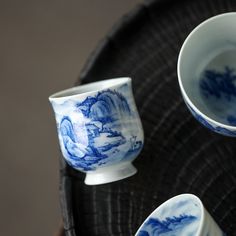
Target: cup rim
(201,222)
(186,97)
(59,95)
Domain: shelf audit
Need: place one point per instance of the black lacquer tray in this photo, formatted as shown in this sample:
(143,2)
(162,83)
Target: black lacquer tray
(179,155)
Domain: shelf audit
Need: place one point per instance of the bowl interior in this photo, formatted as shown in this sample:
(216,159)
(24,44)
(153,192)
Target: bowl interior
(207,68)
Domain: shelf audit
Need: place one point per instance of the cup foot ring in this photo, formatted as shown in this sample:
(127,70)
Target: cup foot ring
(110,174)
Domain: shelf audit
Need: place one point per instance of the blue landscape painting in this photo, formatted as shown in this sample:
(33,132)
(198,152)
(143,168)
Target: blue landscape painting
(171,226)
(218,89)
(107,131)
(220,84)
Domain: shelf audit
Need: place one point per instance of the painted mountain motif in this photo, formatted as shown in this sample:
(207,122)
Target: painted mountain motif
(106,131)
(171,226)
(218,90)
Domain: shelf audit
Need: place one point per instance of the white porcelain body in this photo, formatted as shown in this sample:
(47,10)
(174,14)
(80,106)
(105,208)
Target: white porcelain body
(207,73)
(99,129)
(181,215)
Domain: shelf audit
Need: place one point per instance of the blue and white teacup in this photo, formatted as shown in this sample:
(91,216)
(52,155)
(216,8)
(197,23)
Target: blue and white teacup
(207,73)
(182,215)
(99,129)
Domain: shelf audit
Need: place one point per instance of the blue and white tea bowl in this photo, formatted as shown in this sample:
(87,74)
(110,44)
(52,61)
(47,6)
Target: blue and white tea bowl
(207,73)
(99,129)
(183,215)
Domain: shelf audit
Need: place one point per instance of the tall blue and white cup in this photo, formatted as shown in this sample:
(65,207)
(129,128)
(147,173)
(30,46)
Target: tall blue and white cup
(207,73)
(99,129)
(182,215)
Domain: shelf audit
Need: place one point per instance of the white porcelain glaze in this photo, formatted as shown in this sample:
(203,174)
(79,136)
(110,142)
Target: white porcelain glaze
(182,215)
(207,73)
(99,129)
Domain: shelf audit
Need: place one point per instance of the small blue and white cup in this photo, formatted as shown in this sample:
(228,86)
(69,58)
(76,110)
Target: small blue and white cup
(182,215)
(99,129)
(207,73)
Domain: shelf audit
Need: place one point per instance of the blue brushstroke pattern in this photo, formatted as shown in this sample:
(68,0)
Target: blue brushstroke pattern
(169,226)
(76,151)
(219,84)
(216,129)
(104,112)
(106,107)
(219,91)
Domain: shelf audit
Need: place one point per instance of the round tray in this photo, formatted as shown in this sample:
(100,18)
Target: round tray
(179,155)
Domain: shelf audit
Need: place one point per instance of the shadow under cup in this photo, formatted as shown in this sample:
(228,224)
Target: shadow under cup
(99,129)
(207,73)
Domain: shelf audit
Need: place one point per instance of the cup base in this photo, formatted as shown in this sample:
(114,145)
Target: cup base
(110,174)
